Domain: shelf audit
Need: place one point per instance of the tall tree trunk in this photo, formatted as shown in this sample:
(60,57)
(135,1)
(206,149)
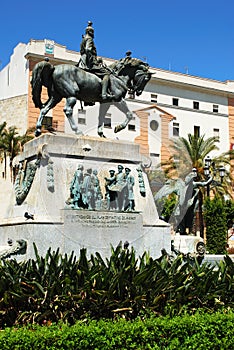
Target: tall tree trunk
(201,222)
(5,165)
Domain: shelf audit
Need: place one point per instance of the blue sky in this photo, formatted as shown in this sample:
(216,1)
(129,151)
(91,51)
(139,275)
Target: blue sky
(194,37)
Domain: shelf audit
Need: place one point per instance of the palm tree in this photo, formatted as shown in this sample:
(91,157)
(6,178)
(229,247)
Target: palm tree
(11,144)
(191,153)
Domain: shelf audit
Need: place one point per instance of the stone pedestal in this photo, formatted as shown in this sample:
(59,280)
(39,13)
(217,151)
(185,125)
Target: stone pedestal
(56,224)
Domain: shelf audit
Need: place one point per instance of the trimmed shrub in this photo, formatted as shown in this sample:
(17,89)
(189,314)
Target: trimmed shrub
(200,331)
(216,226)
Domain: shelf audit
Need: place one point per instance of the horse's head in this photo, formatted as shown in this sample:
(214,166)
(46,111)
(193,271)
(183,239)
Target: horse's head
(138,73)
(134,72)
(141,75)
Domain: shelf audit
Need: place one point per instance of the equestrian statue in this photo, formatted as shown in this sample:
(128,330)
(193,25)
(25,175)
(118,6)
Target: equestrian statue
(89,81)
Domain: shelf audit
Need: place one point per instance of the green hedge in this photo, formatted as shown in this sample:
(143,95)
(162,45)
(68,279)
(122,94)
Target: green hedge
(200,331)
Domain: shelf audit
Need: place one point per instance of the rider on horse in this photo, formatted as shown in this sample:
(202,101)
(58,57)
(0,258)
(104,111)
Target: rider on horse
(123,62)
(88,82)
(90,62)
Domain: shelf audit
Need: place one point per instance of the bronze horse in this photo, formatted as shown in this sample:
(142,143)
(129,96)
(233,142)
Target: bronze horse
(73,83)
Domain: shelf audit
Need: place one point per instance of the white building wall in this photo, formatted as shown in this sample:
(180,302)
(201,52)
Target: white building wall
(38,47)
(14,76)
(165,94)
(187,116)
(207,124)
(154,137)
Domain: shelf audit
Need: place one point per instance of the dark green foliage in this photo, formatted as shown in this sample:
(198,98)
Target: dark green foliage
(201,331)
(229,210)
(11,144)
(168,206)
(55,287)
(216,226)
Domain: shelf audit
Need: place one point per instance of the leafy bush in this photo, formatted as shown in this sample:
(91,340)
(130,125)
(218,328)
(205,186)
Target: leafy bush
(56,287)
(229,211)
(200,331)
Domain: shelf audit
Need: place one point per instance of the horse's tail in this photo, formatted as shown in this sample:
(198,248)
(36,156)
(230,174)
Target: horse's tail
(41,75)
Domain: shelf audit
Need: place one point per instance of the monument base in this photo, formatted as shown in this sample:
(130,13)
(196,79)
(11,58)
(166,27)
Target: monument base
(44,191)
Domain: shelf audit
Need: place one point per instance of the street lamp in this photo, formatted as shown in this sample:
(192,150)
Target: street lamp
(207,172)
(221,173)
(210,171)
(194,170)
(208,161)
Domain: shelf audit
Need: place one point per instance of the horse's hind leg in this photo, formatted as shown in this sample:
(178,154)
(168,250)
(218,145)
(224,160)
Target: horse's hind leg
(68,110)
(52,102)
(103,108)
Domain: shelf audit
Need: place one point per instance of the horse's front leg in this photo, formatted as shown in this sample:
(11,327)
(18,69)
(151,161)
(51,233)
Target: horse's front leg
(129,115)
(68,110)
(43,112)
(103,108)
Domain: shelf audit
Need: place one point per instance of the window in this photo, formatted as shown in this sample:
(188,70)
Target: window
(195,105)
(81,116)
(156,155)
(215,108)
(47,122)
(131,127)
(197,131)
(176,129)
(154,125)
(216,132)
(154,98)
(175,101)
(107,121)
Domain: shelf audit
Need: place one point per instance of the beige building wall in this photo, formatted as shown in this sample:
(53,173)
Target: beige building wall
(231,129)
(231,119)
(14,111)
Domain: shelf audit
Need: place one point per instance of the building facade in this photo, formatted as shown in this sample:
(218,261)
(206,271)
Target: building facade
(172,104)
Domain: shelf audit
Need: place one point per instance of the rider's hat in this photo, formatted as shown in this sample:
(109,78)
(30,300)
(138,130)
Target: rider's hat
(89,28)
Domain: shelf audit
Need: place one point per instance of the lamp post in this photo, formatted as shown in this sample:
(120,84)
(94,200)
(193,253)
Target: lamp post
(208,161)
(210,172)
(221,173)
(210,168)
(206,170)
(198,214)
(194,170)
